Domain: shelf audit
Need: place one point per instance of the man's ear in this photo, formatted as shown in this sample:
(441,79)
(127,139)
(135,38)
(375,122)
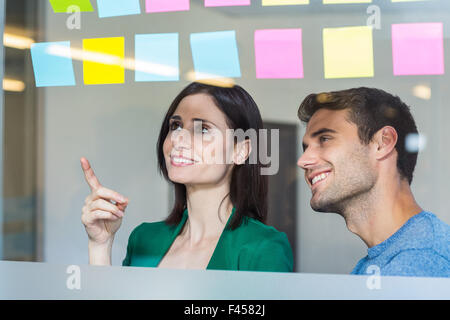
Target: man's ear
(242,151)
(385,141)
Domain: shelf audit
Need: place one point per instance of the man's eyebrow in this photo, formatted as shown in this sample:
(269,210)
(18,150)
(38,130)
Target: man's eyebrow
(323,130)
(317,133)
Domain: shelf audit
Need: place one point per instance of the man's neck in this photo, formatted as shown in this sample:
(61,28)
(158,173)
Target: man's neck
(381,213)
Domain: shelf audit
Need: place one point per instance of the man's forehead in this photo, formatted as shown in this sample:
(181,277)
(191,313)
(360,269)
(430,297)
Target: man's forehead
(326,118)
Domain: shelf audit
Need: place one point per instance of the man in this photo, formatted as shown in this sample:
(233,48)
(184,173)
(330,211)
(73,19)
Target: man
(357,164)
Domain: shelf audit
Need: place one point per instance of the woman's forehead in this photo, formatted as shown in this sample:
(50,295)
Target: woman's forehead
(200,106)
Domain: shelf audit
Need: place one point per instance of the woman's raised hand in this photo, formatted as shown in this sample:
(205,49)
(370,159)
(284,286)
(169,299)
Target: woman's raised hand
(103,209)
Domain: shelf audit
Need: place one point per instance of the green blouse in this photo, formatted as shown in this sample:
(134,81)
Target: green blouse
(253,246)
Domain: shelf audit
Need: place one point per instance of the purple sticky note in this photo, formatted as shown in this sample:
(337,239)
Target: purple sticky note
(166,6)
(278,54)
(418,48)
(226,3)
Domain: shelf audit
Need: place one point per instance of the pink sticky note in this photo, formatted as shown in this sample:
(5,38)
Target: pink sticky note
(226,3)
(418,48)
(278,54)
(166,6)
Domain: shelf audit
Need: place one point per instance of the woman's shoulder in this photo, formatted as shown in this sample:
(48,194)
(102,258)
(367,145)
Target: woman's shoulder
(152,229)
(262,247)
(254,231)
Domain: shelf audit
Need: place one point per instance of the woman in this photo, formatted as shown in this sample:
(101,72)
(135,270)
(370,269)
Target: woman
(220,196)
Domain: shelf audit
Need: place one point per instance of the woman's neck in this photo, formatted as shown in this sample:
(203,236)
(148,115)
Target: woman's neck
(209,208)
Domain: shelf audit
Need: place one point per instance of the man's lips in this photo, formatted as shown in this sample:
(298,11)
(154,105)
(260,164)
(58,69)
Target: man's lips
(318,177)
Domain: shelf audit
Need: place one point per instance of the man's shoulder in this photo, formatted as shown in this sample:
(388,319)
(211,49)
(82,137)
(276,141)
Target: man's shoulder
(438,234)
(422,249)
(425,231)
(418,262)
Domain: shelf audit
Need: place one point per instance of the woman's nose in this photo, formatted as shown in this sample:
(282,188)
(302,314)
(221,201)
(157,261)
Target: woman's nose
(181,139)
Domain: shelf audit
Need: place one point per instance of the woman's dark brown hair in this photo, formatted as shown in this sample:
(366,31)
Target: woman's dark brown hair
(248,188)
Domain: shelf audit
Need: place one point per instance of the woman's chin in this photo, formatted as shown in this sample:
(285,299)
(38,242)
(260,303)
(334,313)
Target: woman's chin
(179,178)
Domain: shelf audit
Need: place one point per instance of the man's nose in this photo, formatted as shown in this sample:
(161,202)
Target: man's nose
(307,159)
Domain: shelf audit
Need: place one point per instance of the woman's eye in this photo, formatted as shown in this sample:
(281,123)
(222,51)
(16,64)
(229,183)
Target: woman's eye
(174,126)
(201,129)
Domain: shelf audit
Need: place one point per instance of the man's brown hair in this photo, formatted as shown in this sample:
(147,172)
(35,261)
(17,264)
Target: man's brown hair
(370,109)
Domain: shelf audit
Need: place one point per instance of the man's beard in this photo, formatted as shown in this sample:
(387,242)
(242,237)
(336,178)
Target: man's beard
(350,188)
(340,200)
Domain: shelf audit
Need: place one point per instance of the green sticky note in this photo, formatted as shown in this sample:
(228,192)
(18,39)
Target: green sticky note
(63,5)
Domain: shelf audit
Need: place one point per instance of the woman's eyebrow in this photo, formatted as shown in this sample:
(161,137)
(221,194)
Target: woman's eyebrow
(203,120)
(175,117)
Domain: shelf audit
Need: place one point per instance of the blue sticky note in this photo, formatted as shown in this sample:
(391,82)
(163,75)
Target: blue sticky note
(215,54)
(156,57)
(52,64)
(114,8)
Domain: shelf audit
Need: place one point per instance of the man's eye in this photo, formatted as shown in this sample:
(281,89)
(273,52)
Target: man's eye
(323,139)
(205,130)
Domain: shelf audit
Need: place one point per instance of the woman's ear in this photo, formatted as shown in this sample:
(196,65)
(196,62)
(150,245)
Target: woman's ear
(385,140)
(242,151)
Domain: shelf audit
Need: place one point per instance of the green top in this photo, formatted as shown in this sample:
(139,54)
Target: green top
(253,246)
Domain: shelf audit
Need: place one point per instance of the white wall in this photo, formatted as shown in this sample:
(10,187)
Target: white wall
(116,126)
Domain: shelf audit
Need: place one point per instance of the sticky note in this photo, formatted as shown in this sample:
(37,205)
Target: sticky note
(345,1)
(114,8)
(418,49)
(215,54)
(63,5)
(278,53)
(156,57)
(166,6)
(226,3)
(283,2)
(348,52)
(103,60)
(52,64)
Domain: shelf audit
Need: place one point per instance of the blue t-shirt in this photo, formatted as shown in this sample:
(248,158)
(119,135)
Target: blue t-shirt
(420,248)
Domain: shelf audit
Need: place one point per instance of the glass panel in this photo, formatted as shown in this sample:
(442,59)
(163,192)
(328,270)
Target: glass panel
(97,81)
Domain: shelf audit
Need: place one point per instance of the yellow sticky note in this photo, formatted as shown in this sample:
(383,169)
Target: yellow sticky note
(348,52)
(103,60)
(345,1)
(283,2)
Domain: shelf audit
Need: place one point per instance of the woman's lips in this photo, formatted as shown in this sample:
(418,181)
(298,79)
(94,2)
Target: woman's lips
(181,161)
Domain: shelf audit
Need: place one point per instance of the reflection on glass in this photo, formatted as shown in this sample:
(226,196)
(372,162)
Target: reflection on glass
(116,71)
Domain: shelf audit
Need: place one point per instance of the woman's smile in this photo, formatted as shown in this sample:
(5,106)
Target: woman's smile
(177,161)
